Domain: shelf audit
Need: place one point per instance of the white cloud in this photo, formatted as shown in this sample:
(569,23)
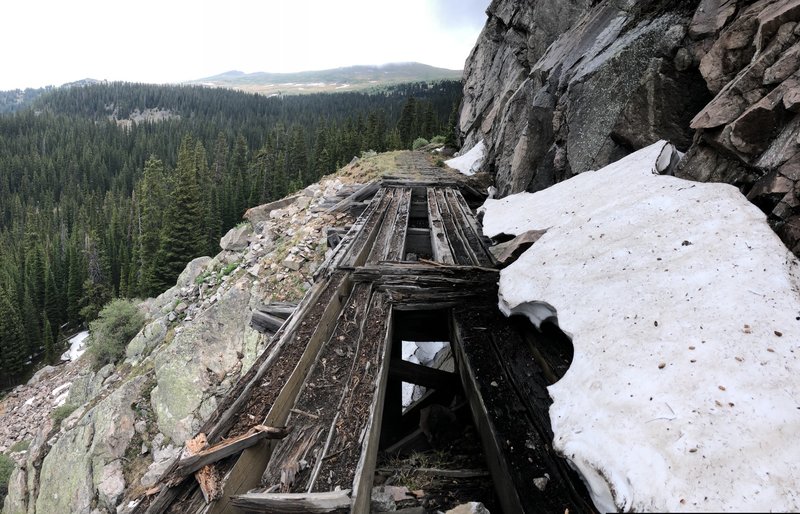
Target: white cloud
(51,41)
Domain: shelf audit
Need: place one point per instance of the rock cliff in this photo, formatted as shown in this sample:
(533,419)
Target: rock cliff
(556,88)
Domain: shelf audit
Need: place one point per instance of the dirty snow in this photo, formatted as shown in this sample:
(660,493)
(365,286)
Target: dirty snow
(77,345)
(424,353)
(470,162)
(683,307)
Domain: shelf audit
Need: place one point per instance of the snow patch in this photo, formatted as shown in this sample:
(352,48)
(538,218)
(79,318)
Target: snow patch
(77,346)
(471,161)
(60,389)
(426,354)
(684,390)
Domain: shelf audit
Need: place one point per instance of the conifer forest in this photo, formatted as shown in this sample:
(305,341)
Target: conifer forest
(107,190)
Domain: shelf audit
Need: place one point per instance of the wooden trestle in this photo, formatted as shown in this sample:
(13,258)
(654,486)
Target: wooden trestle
(416,247)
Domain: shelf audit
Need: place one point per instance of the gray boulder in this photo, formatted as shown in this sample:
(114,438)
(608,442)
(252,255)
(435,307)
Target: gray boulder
(201,363)
(85,462)
(237,238)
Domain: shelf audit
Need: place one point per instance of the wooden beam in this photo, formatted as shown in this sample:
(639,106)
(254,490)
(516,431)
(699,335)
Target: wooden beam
(246,473)
(386,230)
(397,244)
(355,253)
(264,322)
(439,242)
(467,226)
(498,466)
(365,469)
(217,452)
(288,503)
(436,472)
(507,394)
(422,375)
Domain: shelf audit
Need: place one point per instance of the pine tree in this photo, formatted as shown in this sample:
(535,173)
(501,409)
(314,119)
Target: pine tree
(13,350)
(181,235)
(152,203)
(49,342)
(407,122)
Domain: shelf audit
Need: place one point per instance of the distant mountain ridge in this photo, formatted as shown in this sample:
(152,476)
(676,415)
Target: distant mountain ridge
(350,78)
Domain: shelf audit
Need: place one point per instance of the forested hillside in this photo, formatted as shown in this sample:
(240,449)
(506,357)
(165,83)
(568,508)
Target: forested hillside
(93,206)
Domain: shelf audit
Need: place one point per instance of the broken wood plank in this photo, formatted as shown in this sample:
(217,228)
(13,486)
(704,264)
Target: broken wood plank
(287,503)
(508,252)
(207,477)
(226,448)
(422,375)
(278,309)
(364,193)
(440,245)
(340,252)
(265,323)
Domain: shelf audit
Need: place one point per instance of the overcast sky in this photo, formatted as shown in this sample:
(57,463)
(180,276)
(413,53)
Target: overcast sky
(56,41)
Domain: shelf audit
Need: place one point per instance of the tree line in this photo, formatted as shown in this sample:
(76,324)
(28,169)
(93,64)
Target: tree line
(92,209)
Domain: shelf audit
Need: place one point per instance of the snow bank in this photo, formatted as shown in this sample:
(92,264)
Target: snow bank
(684,391)
(77,346)
(471,161)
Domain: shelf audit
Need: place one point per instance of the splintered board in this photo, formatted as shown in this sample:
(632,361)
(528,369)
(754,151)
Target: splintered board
(507,393)
(339,406)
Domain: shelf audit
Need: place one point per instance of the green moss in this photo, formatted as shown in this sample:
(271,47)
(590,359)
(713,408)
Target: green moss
(20,446)
(229,268)
(6,467)
(59,414)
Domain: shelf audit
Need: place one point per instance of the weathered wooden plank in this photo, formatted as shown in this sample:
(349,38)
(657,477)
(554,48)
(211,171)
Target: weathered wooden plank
(366,192)
(380,247)
(498,466)
(365,469)
(508,252)
(246,473)
(278,309)
(229,447)
(422,375)
(355,253)
(376,271)
(442,251)
(397,244)
(264,322)
(437,472)
(462,253)
(467,226)
(508,398)
(341,251)
(287,503)
(320,385)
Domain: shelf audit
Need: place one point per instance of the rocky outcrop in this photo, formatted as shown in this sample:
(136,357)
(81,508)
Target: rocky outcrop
(130,421)
(558,88)
(86,461)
